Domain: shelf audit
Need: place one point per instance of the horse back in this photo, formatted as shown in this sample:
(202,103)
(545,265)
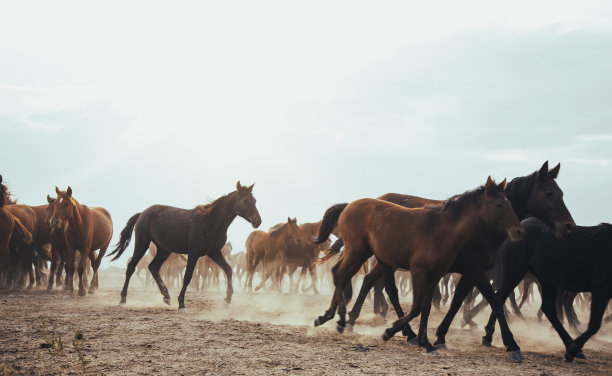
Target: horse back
(102,227)
(255,243)
(408,201)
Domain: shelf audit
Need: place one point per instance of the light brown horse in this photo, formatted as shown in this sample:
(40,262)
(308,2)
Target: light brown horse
(303,254)
(424,240)
(270,248)
(85,229)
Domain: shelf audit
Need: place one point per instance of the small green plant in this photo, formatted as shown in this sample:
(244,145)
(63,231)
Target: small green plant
(77,343)
(55,345)
(53,341)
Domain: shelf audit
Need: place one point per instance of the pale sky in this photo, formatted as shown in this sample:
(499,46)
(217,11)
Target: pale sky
(136,103)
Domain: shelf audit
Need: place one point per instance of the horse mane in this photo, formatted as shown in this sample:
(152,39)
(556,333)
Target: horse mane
(277,229)
(456,204)
(5,196)
(521,185)
(207,210)
(2,194)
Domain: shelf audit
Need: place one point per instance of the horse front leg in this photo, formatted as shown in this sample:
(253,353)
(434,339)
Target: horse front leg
(81,269)
(227,269)
(192,260)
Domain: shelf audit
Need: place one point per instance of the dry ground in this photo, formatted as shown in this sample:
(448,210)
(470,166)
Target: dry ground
(260,334)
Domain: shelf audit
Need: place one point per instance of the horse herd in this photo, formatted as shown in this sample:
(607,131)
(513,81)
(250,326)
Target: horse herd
(493,237)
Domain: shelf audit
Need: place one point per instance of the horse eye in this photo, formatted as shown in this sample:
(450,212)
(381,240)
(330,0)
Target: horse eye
(548,193)
(499,205)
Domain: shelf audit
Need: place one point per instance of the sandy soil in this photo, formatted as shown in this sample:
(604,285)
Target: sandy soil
(265,333)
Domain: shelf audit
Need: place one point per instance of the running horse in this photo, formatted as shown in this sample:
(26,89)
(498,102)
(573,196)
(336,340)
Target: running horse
(84,230)
(425,240)
(195,232)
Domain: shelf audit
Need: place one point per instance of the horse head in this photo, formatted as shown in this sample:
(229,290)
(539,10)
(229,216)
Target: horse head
(245,205)
(63,207)
(496,211)
(546,202)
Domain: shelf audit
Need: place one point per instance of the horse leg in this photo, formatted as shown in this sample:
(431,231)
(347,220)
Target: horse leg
(461,292)
(84,251)
(329,314)
(69,267)
(598,308)
(154,267)
(140,248)
(62,266)
(549,307)
(227,269)
(380,302)
(368,282)
(392,293)
(95,264)
(313,278)
(436,298)
(427,302)
(192,260)
(483,284)
(269,266)
(468,314)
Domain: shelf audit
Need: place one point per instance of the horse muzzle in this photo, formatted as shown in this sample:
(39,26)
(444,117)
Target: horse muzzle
(55,223)
(255,221)
(563,229)
(516,234)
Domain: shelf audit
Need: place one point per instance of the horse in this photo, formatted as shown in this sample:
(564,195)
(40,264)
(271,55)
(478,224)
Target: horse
(303,254)
(581,262)
(424,240)
(536,194)
(84,230)
(58,246)
(269,248)
(196,232)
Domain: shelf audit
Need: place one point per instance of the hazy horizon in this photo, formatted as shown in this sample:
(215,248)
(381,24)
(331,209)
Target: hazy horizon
(133,104)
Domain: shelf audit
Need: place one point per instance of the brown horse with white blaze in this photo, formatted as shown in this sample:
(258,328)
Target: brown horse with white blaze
(424,240)
(85,230)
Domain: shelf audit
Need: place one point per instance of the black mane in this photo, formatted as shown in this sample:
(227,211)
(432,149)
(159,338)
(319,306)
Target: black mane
(600,234)
(207,210)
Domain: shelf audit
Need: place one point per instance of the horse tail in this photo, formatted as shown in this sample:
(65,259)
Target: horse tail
(126,237)
(328,224)
(26,235)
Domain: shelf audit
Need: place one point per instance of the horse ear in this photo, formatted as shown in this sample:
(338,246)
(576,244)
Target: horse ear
(238,186)
(554,172)
(490,184)
(543,173)
(288,219)
(69,191)
(0,178)
(49,200)
(502,185)
(57,190)
(251,187)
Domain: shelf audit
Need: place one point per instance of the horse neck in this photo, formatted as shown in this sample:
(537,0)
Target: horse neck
(76,220)
(464,225)
(517,192)
(221,214)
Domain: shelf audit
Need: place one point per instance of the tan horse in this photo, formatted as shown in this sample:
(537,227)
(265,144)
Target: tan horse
(425,241)
(303,254)
(270,248)
(85,230)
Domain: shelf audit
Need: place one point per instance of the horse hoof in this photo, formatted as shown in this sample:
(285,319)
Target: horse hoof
(441,346)
(516,356)
(82,293)
(486,342)
(413,341)
(167,301)
(433,353)
(49,289)
(90,292)
(121,304)
(386,335)
(580,355)
(348,328)
(182,310)
(339,328)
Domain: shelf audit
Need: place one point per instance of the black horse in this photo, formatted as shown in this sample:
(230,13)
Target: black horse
(537,195)
(196,232)
(581,262)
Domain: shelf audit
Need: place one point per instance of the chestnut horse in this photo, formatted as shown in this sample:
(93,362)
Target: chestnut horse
(304,255)
(424,240)
(195,232)
(270,248)
(85,230)
(16,228)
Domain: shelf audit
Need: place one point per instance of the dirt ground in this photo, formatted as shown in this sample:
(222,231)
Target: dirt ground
(267,333)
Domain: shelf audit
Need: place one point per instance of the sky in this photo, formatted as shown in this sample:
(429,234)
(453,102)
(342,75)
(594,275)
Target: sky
(142,102)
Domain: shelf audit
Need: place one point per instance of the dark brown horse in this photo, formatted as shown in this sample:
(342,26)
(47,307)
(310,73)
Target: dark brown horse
(424,240)
(270,249)
(195,232)
(85,230)
(58,246)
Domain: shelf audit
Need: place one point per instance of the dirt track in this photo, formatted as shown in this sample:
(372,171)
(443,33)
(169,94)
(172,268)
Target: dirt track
(267,333)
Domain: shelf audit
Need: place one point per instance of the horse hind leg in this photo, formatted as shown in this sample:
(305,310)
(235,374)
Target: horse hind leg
(140,248)
(95,265)
(154,267)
